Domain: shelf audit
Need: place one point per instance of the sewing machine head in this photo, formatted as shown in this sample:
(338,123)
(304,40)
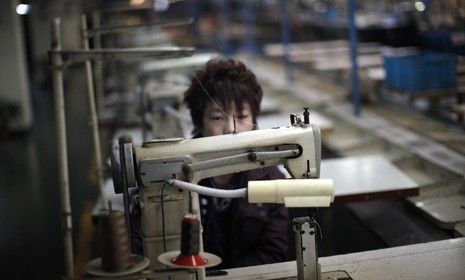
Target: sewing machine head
(297,147)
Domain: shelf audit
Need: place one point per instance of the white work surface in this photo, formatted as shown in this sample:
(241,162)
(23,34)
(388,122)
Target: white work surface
(366,177)
(283,119)
(446,209)
(344,62)
(435,260)
(319,48)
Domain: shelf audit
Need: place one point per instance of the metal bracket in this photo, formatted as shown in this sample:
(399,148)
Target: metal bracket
(160,170)
(305,229)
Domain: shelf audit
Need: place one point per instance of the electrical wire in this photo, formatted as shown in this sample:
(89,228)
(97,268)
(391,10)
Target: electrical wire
(163,217)
(313,220)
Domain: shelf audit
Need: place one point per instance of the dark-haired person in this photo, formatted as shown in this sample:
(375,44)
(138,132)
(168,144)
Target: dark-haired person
(242,234)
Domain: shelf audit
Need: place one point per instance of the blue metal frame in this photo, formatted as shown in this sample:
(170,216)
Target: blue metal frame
(247,14)
(353,56)
(225,16)
(286,39)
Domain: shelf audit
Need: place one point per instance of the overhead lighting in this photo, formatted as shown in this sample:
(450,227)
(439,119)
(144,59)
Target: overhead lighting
(23,9)
(420,6)
(161,5)
(136,2)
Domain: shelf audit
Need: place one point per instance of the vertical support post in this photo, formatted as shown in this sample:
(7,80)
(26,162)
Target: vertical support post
(224,36)
(249,22)
(353,55)
(286,39)
(143,107)
(57,75)
(93,112)
(193,7)
(306,253)
(98,64)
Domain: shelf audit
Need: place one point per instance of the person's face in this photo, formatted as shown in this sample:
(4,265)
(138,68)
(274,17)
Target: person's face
(216,123)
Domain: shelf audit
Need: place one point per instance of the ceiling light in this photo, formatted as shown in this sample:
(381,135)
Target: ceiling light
(420,6)
(23,9)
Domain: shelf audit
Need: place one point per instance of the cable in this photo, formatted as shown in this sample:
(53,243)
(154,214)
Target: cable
(208,191)
(163,217)
(318,228)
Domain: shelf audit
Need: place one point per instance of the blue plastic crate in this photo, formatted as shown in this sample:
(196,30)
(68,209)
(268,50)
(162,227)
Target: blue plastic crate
(391,67)
(426,71)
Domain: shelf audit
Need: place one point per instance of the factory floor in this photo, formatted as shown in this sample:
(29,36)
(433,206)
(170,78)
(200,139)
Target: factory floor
(30,239)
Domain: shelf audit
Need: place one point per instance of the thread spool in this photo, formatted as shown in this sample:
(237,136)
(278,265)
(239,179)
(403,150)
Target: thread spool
(190,229)
(116,256)
(190,256)
(190,239)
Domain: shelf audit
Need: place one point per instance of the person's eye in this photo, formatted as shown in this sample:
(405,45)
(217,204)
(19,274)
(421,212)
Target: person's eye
(242,116)
(216,118)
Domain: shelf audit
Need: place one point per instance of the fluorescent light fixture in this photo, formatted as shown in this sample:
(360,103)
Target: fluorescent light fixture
(420,6)
(23,9)
(136,2)
(161,5)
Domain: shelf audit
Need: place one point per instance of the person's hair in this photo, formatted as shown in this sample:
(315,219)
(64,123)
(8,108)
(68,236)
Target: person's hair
(225,81)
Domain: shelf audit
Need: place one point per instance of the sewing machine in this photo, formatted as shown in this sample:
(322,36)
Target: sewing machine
(158,165)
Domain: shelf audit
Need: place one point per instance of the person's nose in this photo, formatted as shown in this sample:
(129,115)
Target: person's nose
(229,126)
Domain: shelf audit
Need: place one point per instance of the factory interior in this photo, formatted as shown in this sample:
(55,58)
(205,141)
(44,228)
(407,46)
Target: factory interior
(91,91)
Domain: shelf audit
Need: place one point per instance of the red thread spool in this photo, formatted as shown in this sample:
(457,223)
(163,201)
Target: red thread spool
(190,243)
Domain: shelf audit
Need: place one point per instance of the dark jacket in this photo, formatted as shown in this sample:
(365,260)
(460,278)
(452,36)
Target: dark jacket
(245,234)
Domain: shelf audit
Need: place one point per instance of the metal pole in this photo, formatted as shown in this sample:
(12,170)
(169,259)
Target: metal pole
(98,64)
(67,223)
(143,109)
(122,28)
(249,22)
(193,7)
(286,39)
(353,56)
(93,114)
(224,23)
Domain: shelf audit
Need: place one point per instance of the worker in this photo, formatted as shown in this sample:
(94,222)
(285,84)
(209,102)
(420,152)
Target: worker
(225,98)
